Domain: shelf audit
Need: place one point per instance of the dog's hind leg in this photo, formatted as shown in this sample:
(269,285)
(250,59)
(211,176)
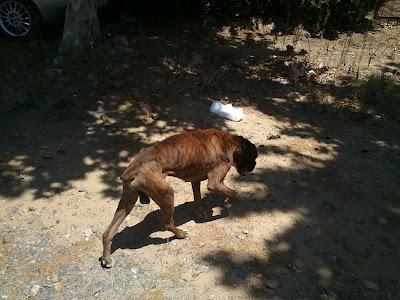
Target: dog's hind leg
(128,200)
(199,212)
(167,207)
(162,194)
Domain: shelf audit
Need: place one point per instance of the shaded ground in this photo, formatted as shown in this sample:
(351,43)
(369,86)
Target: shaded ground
(319,217)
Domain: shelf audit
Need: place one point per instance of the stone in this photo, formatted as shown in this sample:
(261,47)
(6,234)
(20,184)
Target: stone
(88,232)
(317,231)
(55,278)
(371,285)
(57,287)
(388,74)
(35,289)
(121,40)
(52,72)
(330,258)
(376,118)
(381,221)
(272,283)
(134,271)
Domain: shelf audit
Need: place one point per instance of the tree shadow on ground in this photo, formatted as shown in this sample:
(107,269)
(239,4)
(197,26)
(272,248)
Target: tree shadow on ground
(334,173)
(138,236)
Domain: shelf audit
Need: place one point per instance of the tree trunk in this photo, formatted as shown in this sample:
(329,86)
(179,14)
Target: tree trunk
(81,27)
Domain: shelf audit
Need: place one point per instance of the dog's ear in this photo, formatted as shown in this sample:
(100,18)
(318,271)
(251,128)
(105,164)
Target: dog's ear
(249,149)
(245,158)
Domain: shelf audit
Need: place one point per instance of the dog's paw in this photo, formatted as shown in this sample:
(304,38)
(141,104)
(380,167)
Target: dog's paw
(106,263)
(181,234)
(200,214)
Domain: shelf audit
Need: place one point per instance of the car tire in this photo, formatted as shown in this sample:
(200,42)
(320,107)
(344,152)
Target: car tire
(20,20)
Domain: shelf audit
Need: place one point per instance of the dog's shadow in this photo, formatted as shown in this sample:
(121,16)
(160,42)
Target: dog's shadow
(138,236)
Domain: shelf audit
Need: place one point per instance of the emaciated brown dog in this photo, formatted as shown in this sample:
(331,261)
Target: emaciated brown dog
(191,156)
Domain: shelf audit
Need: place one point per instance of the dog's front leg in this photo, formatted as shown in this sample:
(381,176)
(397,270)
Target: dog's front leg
(216,184)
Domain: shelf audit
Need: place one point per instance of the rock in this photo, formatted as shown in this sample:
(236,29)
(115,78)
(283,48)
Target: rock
(245,231)
(58,60)
(55,278)
(377,118)
(298,266)
(134,270)
(35,289)
(57,287)
(381,221)
(97,288)
(273,137)
(343,263)
(88,232)
(311,75)
(272,283)
(330,258)
(46,155)
(13,210)
(240,64)
(121,40)
(371,285)
(331,207)
(187,276)
(317,231)
(388,74)
(52,72)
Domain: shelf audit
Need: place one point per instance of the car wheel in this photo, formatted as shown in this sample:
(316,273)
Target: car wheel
(19,19)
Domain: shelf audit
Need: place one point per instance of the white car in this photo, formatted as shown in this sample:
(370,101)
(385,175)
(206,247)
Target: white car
(24,18)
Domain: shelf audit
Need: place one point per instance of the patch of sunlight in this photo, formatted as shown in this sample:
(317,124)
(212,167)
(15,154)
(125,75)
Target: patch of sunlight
(380,143)
(88,161)
(161,123)
(55,185)
(17,161)
(29,169)
(225,32)
(123,154)
(325,276)
(278,100)
(125,106)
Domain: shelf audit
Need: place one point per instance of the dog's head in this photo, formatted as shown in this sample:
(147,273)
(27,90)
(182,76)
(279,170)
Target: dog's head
(245,157)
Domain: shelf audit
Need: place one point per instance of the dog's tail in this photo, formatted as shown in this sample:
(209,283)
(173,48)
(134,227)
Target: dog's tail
(144,199)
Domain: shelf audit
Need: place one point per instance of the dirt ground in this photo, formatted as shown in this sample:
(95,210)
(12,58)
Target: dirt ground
(318,218)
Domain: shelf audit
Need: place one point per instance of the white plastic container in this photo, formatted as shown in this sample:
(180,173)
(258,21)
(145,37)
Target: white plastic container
(227,111)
